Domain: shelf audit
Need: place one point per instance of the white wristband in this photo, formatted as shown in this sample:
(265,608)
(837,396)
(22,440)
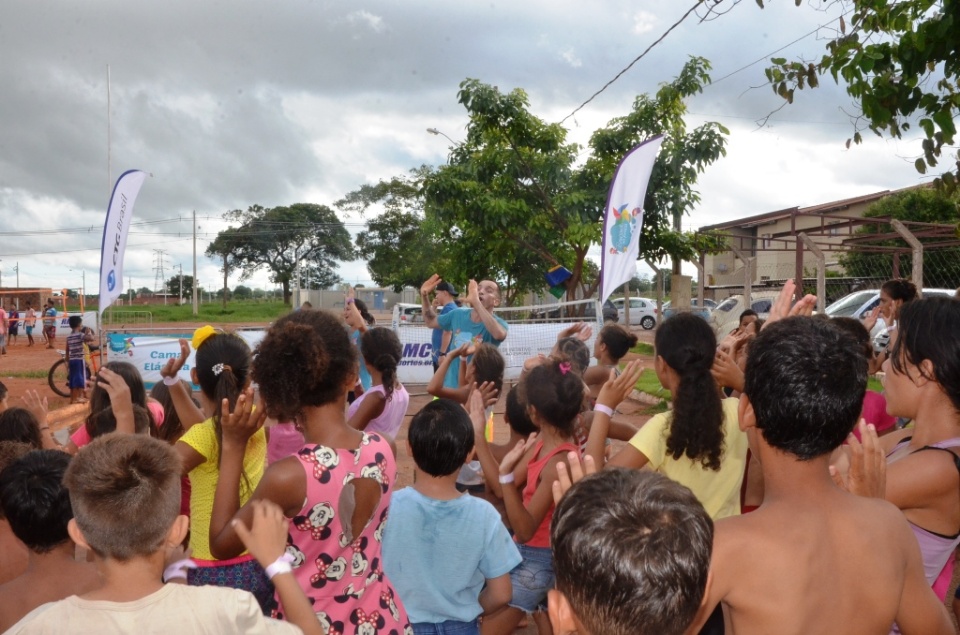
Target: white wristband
(178,569)
(607,410)
(506,478)
(280,565)
(171,381)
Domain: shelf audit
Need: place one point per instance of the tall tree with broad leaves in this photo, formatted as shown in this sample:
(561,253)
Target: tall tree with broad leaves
(515,200)
(401,245)
(279,238)
(900,62)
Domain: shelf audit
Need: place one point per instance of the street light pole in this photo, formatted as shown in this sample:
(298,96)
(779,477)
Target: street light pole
(435,132)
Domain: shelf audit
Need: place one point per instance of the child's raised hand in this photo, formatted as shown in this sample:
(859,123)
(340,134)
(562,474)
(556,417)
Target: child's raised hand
(616,389)
(37,406)
(175,364)
(116,388)
(870,320)
(460,351)
(476,410)
(266,538)
(781,306)
(580,330)
(513,457)
(566,477)
(241,424)
(488,391)
(867,474)
(726,371)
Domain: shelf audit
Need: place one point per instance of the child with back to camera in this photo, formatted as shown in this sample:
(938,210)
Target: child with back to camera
(37,506)
(612,344)
(77,374)
(222,370)
(527,472)
(380,408)
(631,550)
(447,553)
(125,494)
(336,490)
(805,381)
(698,443)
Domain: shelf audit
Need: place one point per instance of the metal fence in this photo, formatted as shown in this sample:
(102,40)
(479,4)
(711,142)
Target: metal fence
(833,264)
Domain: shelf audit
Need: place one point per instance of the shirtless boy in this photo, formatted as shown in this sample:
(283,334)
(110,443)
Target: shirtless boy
(813,558)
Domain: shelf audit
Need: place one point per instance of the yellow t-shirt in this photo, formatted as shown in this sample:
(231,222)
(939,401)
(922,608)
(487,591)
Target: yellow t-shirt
(719,492)
(203,480)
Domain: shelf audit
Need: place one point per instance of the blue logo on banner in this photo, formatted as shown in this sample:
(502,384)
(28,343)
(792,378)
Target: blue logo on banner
(111,280)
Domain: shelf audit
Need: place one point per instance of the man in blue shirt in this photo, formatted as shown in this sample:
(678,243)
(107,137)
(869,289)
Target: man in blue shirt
(444,296)
(468,325)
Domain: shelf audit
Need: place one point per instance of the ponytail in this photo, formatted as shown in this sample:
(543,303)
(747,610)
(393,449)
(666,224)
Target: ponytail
(381,349)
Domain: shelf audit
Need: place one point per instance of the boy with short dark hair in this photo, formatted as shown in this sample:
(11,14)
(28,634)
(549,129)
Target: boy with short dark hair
(631,553)
(37,507)
(125,493)
(77,373)
(799,563)
(448,554)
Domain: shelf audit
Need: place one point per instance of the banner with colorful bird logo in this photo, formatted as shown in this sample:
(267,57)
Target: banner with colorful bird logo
(624,216)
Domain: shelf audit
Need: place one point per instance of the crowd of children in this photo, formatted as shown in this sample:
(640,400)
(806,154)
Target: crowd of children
(270,504)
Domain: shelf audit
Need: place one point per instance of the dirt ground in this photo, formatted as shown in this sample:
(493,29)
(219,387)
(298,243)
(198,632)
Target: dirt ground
(64,418)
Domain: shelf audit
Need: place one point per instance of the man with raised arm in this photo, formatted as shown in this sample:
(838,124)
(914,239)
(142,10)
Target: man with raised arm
(476,324)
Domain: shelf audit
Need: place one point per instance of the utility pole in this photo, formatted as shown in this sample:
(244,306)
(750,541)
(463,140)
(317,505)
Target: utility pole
(159,278)
(224,281)
(195,285)
(180,265)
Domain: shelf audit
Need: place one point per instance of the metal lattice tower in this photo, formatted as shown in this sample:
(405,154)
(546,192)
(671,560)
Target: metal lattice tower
(159,279)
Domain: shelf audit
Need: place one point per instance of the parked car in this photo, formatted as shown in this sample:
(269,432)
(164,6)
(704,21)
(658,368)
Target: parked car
(704,312)
(726,316)
(589,311)
(860,303)
(643,312)
(410,313)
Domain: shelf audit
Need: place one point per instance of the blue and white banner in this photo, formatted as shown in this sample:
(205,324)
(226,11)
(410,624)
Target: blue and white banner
(623,216)
(115,229)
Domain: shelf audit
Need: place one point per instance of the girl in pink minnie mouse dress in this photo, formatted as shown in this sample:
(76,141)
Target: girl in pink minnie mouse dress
(335,491)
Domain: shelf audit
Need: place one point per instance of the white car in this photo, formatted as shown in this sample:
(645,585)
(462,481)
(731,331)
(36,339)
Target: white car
(410,313)
(643,312)
(859,304)
(726,316)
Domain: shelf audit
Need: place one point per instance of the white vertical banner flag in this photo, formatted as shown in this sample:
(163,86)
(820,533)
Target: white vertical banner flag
(115,229)
(623,216)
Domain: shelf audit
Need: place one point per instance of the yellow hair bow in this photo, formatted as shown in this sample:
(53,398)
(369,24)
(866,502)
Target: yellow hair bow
(201,334)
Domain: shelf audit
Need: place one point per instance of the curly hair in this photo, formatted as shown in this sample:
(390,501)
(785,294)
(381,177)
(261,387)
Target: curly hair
(381,349)
(304,360)
(687,344)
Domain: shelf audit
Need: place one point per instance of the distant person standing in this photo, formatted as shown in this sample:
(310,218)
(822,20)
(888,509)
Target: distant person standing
(50,323)
(444,299)
(3,331)
(29,322)
(13,329)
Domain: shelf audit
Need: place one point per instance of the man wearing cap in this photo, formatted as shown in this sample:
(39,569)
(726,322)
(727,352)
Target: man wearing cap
(467,325)
(444,300)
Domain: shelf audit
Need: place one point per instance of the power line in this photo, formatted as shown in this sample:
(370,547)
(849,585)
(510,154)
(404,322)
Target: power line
(636,59)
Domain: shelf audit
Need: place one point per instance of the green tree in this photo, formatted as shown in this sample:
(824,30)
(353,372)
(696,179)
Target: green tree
(899,61)
(242,292)
(516,202)
(941,266)
(280,239)
(173,286)
(401,245)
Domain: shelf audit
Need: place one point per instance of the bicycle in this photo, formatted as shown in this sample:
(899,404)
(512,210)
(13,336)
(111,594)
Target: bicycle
(60,371)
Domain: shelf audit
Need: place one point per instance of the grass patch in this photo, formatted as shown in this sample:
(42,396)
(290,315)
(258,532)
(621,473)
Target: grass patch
(642,349)
(252,311)
(874,384)
(25,374)
(649,384)
(662,406)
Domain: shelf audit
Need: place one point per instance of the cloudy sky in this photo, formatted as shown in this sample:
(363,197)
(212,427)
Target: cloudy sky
(228,104)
